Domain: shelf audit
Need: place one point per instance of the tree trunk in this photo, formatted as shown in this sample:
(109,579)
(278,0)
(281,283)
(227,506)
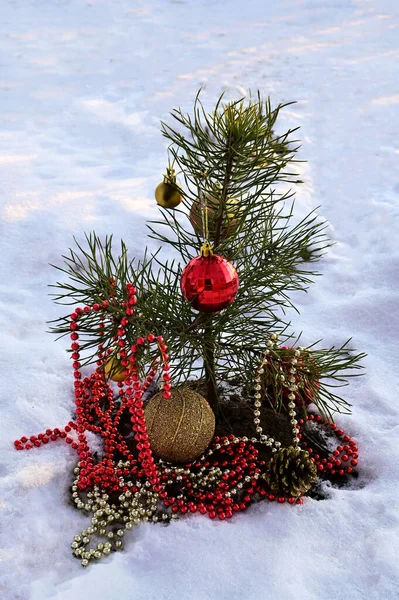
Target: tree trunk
(209,366)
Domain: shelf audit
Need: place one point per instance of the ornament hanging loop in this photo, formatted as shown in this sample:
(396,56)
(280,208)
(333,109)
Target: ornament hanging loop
(204,216)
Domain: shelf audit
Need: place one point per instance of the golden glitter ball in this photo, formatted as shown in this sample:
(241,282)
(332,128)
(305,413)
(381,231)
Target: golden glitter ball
(179,428)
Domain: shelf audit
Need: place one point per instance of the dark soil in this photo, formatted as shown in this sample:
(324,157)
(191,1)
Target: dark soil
(235,416)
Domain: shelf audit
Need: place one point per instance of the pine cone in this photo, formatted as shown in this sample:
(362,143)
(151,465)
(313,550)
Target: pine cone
(291,472)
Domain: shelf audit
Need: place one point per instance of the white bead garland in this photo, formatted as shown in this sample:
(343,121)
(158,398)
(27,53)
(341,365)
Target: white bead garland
(290,384)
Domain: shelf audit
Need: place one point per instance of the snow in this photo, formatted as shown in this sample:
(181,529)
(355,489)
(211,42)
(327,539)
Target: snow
(83,87)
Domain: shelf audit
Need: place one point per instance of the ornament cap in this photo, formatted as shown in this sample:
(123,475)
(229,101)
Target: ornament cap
(206,249)
(170,177)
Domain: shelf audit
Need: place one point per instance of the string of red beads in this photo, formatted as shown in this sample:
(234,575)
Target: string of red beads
(342,459)
(236,460)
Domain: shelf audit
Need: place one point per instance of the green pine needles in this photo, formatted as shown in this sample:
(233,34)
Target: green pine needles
(230,153)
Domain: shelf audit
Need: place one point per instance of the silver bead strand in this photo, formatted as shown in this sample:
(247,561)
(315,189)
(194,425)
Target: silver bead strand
(290,384)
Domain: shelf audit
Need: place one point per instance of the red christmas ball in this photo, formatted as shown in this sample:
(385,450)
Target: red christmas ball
(210,283)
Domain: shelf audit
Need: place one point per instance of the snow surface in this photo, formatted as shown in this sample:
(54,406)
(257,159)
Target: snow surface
(83,86)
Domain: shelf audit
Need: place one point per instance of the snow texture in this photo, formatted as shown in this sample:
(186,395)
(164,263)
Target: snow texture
(83,86)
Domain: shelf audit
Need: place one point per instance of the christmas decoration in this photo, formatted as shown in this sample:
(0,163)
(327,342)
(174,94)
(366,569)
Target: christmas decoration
(167,193)
(128,486)
(287,366)
(209,282)
(291,472)
(181,428)
(114,369)
(231,217)
(231,150)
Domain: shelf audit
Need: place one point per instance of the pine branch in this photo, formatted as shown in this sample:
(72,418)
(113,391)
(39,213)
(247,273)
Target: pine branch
(232,152)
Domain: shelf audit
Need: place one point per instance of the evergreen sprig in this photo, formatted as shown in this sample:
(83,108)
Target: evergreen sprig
(232,152)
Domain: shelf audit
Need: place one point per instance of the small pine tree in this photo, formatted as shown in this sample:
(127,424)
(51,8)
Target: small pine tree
(234,168)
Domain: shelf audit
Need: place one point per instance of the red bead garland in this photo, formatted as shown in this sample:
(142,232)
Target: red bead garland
(337,463)
(232,463)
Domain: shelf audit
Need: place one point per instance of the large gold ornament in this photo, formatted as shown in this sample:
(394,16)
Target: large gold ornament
(230,221)
(167,193)
(179,428)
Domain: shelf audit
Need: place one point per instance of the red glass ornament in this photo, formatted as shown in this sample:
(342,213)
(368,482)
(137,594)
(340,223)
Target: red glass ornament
(210,283)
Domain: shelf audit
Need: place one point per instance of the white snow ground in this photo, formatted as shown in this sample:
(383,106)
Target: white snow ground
(83,85)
